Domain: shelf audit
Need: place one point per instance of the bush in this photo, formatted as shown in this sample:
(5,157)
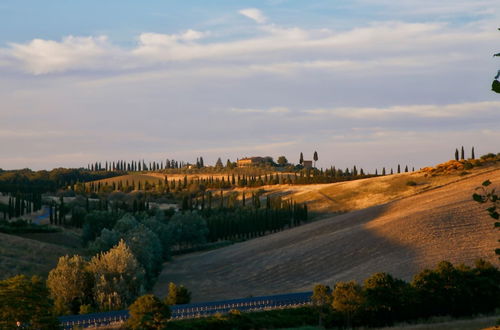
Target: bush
(411,183)
(148,312)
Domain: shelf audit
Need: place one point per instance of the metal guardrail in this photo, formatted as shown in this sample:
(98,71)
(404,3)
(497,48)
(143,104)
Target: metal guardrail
(194,310)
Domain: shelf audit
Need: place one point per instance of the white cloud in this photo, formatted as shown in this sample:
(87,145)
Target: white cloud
(272,110)
(276,50)
(429,111)
(254,14)
(44,56)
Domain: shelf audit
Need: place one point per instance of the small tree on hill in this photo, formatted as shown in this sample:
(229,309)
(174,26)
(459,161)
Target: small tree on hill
(315,158)
(462,153)
(282,161)
(456,155)
(301,159)
(219,164)
(177,295)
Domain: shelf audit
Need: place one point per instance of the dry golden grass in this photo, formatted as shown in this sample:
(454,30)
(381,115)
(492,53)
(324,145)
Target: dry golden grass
(433,221)
(360,194)
(20,255)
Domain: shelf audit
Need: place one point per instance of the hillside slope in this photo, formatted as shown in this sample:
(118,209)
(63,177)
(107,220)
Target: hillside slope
(20,255)
(400,237)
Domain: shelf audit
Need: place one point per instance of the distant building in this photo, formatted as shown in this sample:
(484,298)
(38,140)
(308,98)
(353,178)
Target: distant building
(307,164)
(254,161)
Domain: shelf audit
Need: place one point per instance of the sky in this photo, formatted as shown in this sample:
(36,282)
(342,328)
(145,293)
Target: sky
(371,83)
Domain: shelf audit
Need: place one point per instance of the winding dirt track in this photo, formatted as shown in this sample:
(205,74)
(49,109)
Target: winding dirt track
(401,237)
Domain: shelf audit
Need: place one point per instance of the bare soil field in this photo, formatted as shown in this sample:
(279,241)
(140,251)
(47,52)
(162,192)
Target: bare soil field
(421,227)
(19,255)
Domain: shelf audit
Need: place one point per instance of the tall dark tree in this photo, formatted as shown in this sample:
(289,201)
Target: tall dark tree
(315,158)
(399,168)
(462,153)
(219,163)
(456,154)
(473,156)
(301,159)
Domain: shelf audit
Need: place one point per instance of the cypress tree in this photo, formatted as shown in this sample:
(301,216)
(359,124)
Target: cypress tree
(406,169)
(301,159)
(383,170)
(462,153)
(473,156)
(315,157)
(399,168)
(456,154)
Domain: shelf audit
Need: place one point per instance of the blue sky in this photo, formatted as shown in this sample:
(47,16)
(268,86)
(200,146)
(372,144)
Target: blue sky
(370,83)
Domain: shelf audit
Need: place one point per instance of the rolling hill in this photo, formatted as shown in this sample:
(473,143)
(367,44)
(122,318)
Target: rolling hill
(31,256)
(416,230)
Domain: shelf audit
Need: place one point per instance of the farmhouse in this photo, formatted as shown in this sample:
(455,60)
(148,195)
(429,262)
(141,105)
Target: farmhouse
(254,161)
(307,163)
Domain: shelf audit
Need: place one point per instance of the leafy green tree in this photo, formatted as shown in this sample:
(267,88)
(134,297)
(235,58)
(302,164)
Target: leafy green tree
(491,198)
(387,299)
(187,229)
(118,277)
(26,300)
(177,295)
(348,299)
(70,284)
(322,301)
(148,312)
(146,247)
(282,161)
(104,242)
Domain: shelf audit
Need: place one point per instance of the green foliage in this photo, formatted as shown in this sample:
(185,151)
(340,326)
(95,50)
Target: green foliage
(282,161)
(187,229)
(26,300)
(177,295)
(95,222)
(275,319)
(70,285)
(349,300)
(21,226)
(387,299)
(118,277)
(382,300)
(148,312)
(491,198)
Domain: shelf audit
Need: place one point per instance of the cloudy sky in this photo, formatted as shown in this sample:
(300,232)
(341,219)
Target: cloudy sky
(370,83)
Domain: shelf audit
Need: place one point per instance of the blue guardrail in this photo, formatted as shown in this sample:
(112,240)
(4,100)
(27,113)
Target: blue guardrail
(194,310)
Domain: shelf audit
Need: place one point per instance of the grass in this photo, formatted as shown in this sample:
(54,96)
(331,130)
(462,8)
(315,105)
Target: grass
(26,256)
(448,323)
